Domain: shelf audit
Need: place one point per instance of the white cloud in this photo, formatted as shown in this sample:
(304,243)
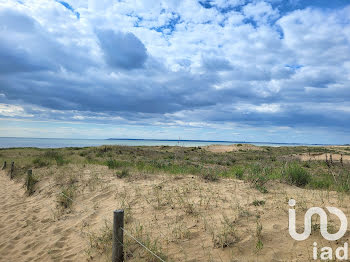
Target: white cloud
(261,12)
(203,65)
(263,108)
(13,111)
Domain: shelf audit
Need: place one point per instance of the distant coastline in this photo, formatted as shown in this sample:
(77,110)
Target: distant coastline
(215,141)
(16,142)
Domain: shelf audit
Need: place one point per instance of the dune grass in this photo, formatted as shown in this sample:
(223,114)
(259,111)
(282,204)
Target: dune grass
(255,166)
(191,198)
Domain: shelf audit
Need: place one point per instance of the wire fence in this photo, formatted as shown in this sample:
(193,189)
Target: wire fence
(142,245)
(122,228)
(131,236)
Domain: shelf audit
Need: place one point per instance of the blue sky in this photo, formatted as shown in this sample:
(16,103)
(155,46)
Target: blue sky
(275,71)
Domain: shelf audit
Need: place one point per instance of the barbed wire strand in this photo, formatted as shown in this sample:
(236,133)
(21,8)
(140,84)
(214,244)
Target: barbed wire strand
(154,254)
(143,245)
(67,196)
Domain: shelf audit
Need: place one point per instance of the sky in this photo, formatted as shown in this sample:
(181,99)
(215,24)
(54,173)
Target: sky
(236,70)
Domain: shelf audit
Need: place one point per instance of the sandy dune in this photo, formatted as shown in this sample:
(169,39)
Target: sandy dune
(28,231)
(185,214)
(232,148)
(322,157)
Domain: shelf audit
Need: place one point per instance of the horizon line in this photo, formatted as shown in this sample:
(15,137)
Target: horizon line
(179,140)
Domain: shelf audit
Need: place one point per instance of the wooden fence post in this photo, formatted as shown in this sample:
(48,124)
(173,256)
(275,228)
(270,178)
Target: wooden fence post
(327,160)
(341,159)
(12,169)
(29,178)
(118,225)
(4,166)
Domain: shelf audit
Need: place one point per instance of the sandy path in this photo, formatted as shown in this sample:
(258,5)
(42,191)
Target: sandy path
(233,148)
(27,229)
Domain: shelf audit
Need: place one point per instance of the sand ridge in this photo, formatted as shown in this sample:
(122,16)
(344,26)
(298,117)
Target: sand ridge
(27,228)
(183,214)
(233,148)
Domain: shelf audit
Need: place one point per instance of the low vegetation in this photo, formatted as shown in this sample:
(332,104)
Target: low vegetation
(30,182)
(256,166)
(227,235)
(122,174)
(66,196)
(297,175)
(183,195)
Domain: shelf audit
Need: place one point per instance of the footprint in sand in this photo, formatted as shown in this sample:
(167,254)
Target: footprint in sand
(29,246)
(25,252)
(59,244)
(57,230)
(9,247)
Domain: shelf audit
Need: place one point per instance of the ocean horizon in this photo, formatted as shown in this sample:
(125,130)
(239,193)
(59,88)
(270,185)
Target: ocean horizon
(13,142)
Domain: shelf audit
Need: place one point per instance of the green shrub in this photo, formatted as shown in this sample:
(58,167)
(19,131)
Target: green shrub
(66,196)
(211,175)
(259,184)
(296,175)
(258,178)
(343,187)
(47,158)
(114,164)
(239,172)
(83,154)
(321,181)
(60,161)
(40,162)
(307,164)
(343,181)
(258,203)
(51,154)
(123,173)
(320,184)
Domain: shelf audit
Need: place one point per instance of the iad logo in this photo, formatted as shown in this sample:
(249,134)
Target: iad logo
(326,252)
(323,225)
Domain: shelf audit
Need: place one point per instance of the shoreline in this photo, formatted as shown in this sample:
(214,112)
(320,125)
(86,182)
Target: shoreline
(14,142)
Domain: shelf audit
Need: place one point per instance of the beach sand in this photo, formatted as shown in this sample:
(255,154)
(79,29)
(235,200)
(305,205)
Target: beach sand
(186,216)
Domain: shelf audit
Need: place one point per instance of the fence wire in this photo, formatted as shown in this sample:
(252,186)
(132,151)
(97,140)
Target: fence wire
(150,251)
(126,232)
(129,234)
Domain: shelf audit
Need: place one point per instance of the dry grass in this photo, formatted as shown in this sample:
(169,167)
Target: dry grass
(182,203)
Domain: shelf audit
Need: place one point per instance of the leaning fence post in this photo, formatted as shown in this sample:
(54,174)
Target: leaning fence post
(12,169)
(327,160)
(118,225)
(29,178)
(341,159)
(4,166)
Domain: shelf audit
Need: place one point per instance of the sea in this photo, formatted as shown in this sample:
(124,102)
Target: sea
(12,142)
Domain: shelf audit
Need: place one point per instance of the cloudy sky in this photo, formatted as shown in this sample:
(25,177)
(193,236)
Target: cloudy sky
(238,70)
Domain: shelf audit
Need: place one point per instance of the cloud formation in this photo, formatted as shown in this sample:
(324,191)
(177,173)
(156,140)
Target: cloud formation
(122,50)
(247,63)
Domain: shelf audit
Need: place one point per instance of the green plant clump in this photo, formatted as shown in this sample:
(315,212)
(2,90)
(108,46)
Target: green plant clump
(31,180)
(124,173)
(296,175)
(66,196)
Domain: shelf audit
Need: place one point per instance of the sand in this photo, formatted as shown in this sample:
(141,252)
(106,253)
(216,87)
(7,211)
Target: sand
(184,214)
(28,231)
(322,157)
(233,148)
